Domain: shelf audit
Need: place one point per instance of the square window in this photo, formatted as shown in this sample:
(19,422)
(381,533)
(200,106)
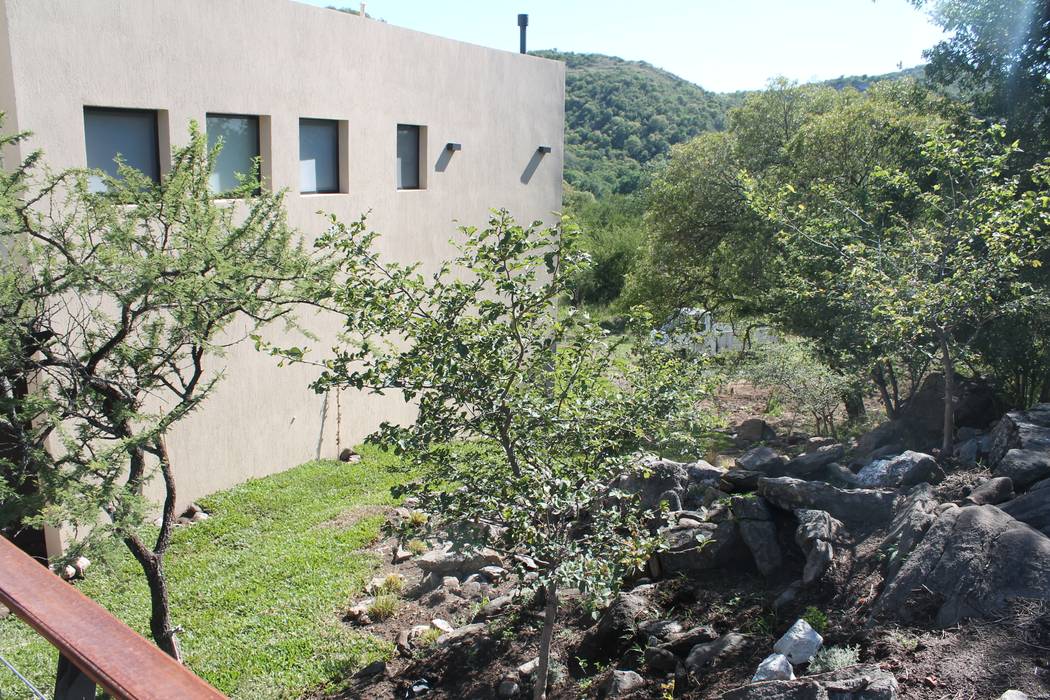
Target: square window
(409,146)
(318,155)
(129,135)
(240,149)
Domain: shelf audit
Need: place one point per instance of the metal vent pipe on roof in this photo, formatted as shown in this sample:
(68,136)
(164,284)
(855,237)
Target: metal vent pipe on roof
(523,22)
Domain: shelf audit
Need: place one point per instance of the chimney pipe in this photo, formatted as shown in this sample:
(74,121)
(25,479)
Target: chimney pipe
(523,22)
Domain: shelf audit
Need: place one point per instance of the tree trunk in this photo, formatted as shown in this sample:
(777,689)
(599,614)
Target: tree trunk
(550,614)
(949,396)
(853,400)
(160,614)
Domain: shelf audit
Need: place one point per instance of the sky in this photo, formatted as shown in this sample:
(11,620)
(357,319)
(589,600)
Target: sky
(721,45)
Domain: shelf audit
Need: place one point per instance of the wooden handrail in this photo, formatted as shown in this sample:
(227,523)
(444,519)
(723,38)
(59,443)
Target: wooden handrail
(110,653)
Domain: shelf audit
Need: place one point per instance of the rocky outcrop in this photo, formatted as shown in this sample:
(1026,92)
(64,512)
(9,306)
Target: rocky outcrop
(1024,467)
(692,550)
(972,561)
(848,505)
(1033,508)
(810,463)
(861,682)
(755,523)
(1021,430)
(815,534)
(911,520)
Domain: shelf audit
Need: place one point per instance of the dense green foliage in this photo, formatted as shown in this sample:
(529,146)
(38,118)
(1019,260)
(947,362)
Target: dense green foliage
(998,55)
(612,235)
(260,588)
(622,115)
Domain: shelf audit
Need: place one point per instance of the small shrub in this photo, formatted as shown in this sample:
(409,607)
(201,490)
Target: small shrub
(816,618)
(417,547)
(834,658)
(394,583)
(907,642)
(428,638)
(384,606)
(417,519)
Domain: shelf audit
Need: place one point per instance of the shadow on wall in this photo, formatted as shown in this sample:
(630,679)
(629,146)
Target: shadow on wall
(534,163)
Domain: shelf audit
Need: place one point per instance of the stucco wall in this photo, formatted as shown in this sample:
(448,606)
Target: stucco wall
(283,60)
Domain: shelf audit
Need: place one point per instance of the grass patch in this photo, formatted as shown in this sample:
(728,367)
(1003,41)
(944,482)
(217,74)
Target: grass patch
(257,587)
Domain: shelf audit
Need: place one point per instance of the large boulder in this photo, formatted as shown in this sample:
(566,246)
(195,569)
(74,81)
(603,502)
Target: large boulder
(755,430)
(810,463)
(652,478)
(1032,508)
(847,505)
(1024,467)
(919,423)
(911,519)
(692,550)
(762,459)
(618,625)
(971,563)
(1023,430)
(860,682)
(992,492)
(755,522)
(816,533)
(905,470)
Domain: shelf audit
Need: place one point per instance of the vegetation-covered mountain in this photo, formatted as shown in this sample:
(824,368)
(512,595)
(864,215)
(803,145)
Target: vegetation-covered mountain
(620,115)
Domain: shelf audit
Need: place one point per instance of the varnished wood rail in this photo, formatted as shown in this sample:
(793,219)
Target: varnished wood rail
(111,654)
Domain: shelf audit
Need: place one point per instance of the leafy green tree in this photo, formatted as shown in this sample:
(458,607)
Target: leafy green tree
(931,254)
(997,53)
(525,416)
(117,308)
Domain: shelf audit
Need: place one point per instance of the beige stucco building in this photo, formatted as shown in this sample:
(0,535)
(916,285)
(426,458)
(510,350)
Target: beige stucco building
(75,74)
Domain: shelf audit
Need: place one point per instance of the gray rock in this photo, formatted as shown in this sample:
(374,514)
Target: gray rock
(992,492)
(840,475)
(684,641)
(1032,508)
(1024,430)
(445,562)
(910,522)
(810,463)
(861,682)
(660,660)
(848,505)
(755,524)
(661,629)
(741,479)
(800,643)
(693,550)
(814,525)
(762,459)
(618,625)
(788,595)
(1024,467)
(755,430)
(495,607)
(703,473)
(904,470)
(1014,695)
(774,667)
(818,561)
(966,453)
(621,682)
(652,478)
(508,689)
(972,561)
(711,654)
(528,668)
(671,499)
(750,508)
(375,668)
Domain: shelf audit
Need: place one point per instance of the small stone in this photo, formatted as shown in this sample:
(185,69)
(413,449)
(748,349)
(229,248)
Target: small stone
(1014,695)
(712,653)
(419,688)
(992,492)
(375,668)
(660,660)
(401,555)
(508,689)
(4,611)
(450,583)
(69,572)
(443,625)
(81,564)
(774,667)
(529,667)
(470,590)
(800,643)
(495,607)
(494,573)
(198,517)
(621,682)
(661,629)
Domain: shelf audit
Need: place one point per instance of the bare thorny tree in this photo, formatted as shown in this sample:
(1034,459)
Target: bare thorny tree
(117,307)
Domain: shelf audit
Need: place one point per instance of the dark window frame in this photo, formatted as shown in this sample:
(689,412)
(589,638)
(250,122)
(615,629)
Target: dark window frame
(420,182)
(338,154)
(155,146)
(258,142)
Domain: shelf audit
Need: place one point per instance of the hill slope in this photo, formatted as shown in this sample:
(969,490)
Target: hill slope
(620,115)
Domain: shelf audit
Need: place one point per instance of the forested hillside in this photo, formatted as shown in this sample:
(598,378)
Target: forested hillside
(620,115)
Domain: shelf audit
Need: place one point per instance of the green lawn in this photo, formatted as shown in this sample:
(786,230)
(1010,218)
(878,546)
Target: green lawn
(258,588)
